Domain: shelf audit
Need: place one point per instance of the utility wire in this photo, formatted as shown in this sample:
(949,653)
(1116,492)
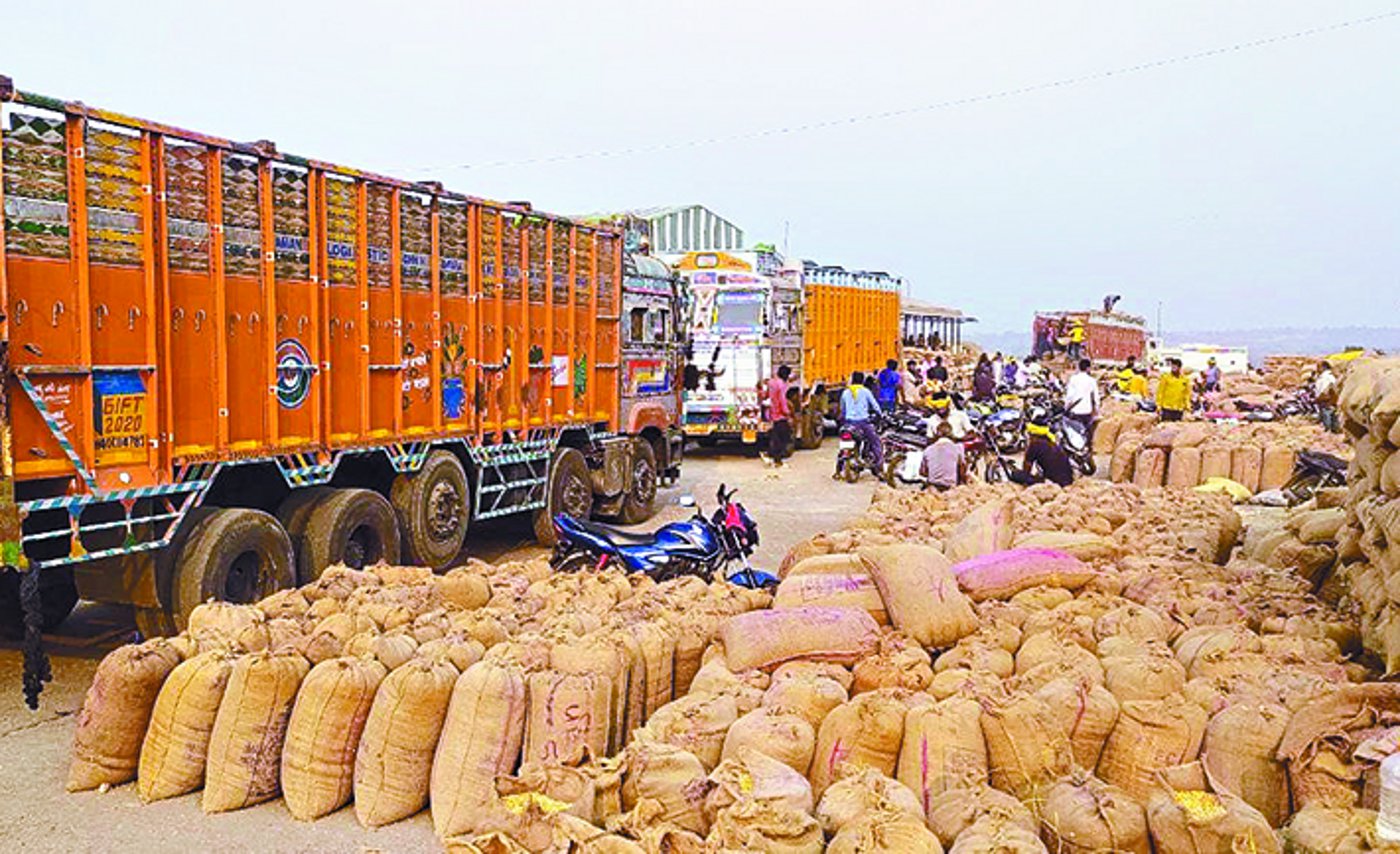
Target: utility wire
(886,115)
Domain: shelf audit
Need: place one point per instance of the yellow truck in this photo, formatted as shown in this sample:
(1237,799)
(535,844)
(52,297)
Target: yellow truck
(752,311)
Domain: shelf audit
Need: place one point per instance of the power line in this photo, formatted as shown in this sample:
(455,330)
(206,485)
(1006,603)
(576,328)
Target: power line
(887,115)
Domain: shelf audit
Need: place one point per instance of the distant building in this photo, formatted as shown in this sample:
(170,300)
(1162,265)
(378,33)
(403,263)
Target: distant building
(922,324)
(676,229)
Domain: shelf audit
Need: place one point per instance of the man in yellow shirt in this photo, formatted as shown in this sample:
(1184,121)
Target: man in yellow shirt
(1125,376)
(1137,385)
(1076,342)
(1173,392)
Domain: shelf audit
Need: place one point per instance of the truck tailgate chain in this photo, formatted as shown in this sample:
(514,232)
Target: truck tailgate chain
(36,663)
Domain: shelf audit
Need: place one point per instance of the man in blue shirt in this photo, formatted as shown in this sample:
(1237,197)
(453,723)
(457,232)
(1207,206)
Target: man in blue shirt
(889,381)
(858,408)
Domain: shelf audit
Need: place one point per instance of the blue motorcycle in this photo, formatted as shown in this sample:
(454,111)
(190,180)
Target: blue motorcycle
(699,546)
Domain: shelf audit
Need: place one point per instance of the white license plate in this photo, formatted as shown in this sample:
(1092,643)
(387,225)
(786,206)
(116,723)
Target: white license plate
(847,445)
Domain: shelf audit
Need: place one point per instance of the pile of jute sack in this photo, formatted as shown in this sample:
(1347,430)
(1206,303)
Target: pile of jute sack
(1258,456)
(991,669)
(1368,537)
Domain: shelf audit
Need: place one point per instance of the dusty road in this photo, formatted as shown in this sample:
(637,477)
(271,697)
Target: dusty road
(37,815)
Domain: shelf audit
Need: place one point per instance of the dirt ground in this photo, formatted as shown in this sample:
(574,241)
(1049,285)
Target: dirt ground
(37,815)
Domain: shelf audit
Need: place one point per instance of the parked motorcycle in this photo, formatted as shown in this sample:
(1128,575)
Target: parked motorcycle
(707,548)
(1073,437)
(854,455)
(1314,470)
(999,463)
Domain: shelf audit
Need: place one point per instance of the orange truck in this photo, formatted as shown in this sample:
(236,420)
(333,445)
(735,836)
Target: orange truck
(223,368)
(751,312)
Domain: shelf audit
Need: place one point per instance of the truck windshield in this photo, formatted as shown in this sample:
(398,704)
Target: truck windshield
(739,311)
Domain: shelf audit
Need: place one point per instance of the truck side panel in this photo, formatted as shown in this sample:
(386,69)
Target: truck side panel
(175,298)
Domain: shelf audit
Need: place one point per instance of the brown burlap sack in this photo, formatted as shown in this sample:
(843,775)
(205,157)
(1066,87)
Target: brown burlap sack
(481,739)
(784,736)
(177,742)
(1197,822)
(116,712)
(1240,756)
(765,639)
(862,792)
(668,776)
(245,745)
(1086,713)
(766,826)
(393,765)
(323,734)
(568,718)
(920,593)
(1027,747)
(943,748)
(954,811)
(752,775)
(1082,814)
(865,732)
(832,590)
(885,833)
(1151,735)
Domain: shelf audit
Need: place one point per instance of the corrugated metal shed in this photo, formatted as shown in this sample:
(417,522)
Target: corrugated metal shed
(690,228)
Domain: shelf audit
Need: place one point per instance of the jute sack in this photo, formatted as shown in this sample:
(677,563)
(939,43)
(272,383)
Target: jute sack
(1328,830)
(245,746)
(323,734)
(985,530)
(1001,575)
(943,748)
(463,589)
(224,618)
(177,741)
(880,832)
(750,774)
(784,736)
(832,590)
(696,722)
(1151,735)
(752,825)
(920,593)
(1151,467)
(1086,712)
(394,762)
(658,648)
(1246,464)
(765,639)
(996,833)
(116,712)
(866,732)
(862,792)
(1083,814)
(1124,460)
(809,697)
(671,777)
(1184,468)
(954,811)
(481,739)
(568,718)
(1240,756)
(1215,460)
(1143,677)
(1198,822)
(1027,747)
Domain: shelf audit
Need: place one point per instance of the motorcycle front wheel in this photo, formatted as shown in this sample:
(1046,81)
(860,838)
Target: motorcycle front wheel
(851,472)
(1087,466)
(993,473)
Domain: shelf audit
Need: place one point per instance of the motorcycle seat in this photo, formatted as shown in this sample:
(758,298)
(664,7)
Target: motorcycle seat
(615,535)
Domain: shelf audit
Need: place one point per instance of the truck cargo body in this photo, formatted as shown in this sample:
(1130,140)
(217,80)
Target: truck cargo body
(750,314)
(1109,338)
(200,328)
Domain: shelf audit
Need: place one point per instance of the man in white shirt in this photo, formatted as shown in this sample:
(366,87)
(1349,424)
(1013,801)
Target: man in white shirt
(1082,398)
(1325,393)
(945,412)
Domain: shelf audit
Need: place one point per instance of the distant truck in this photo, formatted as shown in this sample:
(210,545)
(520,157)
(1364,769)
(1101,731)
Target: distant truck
(751,311)
(1110,337)
(1196,357)
(224,368)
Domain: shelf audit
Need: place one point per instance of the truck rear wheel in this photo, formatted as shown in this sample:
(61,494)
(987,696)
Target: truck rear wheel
(570,491)
(355,527)
(811,431)
(293,513)
(640,502)
(233,554)
(432,506)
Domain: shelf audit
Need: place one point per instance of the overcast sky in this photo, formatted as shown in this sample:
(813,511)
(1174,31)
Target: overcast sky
(1257,188)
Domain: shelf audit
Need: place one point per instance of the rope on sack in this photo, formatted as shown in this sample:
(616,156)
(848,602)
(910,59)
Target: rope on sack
(36,663)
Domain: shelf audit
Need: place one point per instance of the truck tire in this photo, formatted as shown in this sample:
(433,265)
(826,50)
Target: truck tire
(293,513)
(639,503)
(811,431)
(233,554)
(570,490)
(58,596)
(154,623)
(355,527)
(433,506)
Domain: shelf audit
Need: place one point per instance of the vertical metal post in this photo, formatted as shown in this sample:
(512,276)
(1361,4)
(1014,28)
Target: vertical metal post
(267,228)
(362,295)
(316,246)
(396,298)
(160,317)
(218,331)
(435,279)
(149,262)
(76,128)
(549,323)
